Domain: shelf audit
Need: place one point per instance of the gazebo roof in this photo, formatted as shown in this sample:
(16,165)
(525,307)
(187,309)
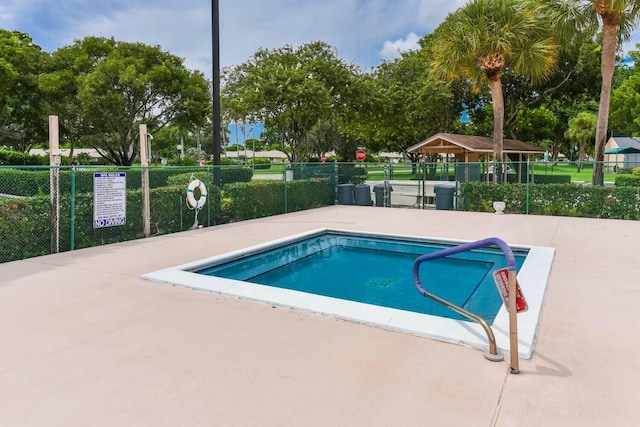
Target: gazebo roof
(454,143)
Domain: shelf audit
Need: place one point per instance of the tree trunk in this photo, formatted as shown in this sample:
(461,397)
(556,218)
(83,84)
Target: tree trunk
(495,85)
(581,156)
(607,66)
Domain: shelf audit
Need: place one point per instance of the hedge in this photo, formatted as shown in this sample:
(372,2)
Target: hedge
(555,199)
(227,176)
(627,180)
(257,199)
(260,163)
(25,223)
(551,179)
(31,182)
(8,157)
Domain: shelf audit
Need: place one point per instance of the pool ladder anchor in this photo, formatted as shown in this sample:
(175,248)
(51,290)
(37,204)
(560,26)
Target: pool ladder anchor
(492,354)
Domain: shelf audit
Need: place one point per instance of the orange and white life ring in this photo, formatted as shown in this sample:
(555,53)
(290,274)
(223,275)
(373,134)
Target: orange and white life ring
(196,204)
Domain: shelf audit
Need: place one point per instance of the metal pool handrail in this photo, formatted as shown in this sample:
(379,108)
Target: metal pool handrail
(493,353)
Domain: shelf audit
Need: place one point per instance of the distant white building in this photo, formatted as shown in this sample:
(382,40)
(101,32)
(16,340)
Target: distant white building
(272,155)
(93,153)
(622,152)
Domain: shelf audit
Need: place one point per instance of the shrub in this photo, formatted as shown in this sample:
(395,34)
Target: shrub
(260,163)
(258,199)
(552,179)
(627,181)
(351,174)
(25,223)
(555,199)
(227,176)
(16,158)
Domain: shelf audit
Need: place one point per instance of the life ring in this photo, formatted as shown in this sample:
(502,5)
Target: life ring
(196,204)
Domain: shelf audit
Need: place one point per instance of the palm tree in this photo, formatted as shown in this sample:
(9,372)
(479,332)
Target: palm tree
(615,15)
(582,129)
(617,18)
(483,38)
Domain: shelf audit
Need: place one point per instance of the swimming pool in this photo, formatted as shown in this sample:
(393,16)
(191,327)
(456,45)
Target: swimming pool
(376,270)
(263,262)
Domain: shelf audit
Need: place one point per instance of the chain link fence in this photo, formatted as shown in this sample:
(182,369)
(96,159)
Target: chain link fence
(45,210)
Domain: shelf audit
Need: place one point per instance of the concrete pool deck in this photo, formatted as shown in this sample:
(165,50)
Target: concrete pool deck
(85,341)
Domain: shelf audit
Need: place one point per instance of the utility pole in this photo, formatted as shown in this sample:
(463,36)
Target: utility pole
(215,50)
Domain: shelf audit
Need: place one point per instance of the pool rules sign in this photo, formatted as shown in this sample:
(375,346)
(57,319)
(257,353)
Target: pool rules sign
(109,199)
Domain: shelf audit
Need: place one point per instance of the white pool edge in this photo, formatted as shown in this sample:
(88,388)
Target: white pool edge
(532,277)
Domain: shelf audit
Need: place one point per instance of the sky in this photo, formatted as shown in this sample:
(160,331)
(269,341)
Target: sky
(365,32)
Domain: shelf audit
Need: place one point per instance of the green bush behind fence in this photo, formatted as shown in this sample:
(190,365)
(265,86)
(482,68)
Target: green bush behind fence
(25,222)
(555,199)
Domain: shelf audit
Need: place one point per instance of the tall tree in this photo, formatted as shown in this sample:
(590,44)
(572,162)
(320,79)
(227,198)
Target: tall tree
(483,38)
(625,107)
(137,83)
(60,82)
(289,89)
(103,89)
(413,103)
(617,19)
(23,122)
(582,129)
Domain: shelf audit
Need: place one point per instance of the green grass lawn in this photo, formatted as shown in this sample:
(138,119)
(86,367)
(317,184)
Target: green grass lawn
(569,168)
(401,171)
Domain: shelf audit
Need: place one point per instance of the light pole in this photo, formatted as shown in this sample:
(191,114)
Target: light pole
(215,51)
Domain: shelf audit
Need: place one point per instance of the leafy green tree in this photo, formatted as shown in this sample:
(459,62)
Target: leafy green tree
(617,19)
(582,129)
(23,121)
(103,89)
(625,107)
(485,37)
(290,90)
(137,83)
(324,137)
(60,81)
(535,125)
(412,102)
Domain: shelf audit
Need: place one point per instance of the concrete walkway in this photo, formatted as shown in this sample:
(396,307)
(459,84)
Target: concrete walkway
(84,341)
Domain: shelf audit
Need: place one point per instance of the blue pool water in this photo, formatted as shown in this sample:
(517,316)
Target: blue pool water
(377,271)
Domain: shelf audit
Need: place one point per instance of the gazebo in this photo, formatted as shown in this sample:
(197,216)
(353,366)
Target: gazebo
(470,148)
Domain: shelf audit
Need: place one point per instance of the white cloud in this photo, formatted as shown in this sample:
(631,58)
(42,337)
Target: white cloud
(357,28)
(393,49)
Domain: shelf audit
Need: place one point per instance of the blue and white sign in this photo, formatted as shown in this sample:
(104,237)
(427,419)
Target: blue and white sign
(109,199)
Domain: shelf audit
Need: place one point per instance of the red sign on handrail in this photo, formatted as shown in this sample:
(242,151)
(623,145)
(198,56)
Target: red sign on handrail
(501,277)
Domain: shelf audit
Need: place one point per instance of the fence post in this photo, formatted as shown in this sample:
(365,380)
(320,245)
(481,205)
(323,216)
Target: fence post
(336,181)
(209,185)
(144,162)
(528,185)
(72,236)
(54,182)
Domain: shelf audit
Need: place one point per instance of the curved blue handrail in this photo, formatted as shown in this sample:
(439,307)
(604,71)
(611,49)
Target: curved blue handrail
(491,241)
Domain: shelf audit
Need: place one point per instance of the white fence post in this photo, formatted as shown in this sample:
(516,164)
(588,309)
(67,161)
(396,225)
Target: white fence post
(54,182)
(144,162)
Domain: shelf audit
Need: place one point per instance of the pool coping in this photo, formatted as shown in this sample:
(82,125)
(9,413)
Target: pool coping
(532,277)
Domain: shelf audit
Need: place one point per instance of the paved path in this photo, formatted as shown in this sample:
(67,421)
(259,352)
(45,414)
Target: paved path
(84,341)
